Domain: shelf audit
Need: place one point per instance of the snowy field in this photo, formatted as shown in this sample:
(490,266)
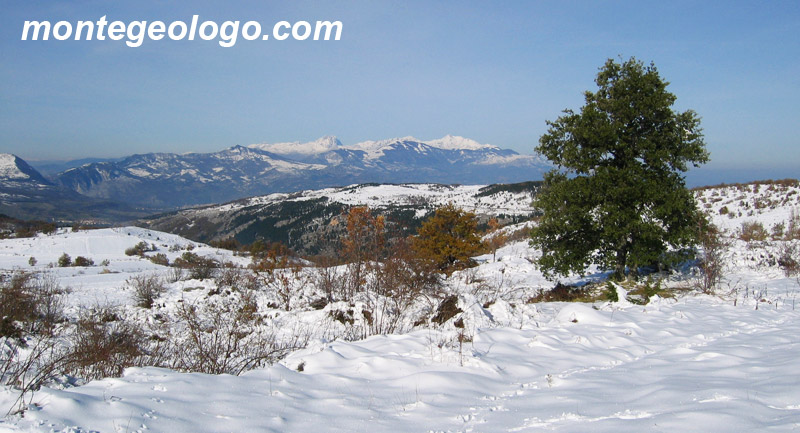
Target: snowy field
(722,362)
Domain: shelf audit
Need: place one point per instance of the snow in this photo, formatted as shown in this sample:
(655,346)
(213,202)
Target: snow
(378,196)
(373,148)
(725,362)
(455,142)
(321,145)
(697,364)
(9,168)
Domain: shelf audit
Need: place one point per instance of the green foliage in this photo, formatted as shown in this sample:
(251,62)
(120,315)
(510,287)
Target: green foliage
(159,259)
(83,261)
(138,249)
(530,186)
(448,239)
(64,261)
(611,292)
(618,198)
(200,268)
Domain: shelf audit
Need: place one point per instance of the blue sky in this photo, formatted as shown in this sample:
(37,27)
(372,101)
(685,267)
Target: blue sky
(491,71)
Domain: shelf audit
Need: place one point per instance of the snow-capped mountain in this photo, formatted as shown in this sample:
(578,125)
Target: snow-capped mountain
(14,170)
(167,180)
(26,194)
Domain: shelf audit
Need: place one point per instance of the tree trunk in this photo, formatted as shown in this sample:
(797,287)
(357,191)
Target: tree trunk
(619,266)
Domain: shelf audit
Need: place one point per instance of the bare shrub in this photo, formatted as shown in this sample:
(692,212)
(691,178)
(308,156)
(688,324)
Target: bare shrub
(25,371)
(404,276)
(327,279)
(711,264)
(146,289)
(30,308)
(174,275)
(29,304)
(752,231)
(234,277)
(496,238)
(225,336)
(789,259)
(793,230)
(103,345)
(279,274)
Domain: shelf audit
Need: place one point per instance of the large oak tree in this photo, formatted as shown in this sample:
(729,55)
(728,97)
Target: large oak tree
(617,197)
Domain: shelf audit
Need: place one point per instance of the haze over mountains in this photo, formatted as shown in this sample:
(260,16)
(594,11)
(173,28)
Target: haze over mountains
(159,181)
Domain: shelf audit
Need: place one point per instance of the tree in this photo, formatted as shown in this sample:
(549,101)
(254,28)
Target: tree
(617,197)
(448,239)
(361,247)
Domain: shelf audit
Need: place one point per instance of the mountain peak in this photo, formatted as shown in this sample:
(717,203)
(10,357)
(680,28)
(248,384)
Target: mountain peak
(13,168)
(320,145)
(455,142)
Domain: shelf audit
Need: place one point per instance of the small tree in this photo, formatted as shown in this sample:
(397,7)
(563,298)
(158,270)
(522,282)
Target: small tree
(712,263)
(448,239)
(496,238)
(65,260)
(83,261)
(618,197)
(361,247)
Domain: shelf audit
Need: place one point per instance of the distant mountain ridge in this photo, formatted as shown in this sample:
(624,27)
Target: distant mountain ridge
(26,194)
(168,181)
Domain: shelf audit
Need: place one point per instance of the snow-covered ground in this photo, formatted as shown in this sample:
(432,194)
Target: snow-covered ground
(714,363)
(380,196)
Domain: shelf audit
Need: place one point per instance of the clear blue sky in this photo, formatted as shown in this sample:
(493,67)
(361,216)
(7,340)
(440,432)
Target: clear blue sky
(491,71)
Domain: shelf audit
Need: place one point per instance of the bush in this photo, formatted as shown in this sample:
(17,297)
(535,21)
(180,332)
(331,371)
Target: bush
(233,277)
(17,305)
(83,261)
(224,337)
(611,292)
(753,231)
(138,249)
(447,309)
(448,239)
(103,347)
(793,231)
(146,289)
(711,263)
(64,261)
(789,259)
(30,306)
(159,259)
(200,268)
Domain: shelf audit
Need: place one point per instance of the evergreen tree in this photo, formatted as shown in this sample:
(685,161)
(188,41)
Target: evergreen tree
(617,197)
(448,239)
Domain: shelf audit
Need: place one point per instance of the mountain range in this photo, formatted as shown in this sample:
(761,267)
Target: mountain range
(164,181)
(26,194)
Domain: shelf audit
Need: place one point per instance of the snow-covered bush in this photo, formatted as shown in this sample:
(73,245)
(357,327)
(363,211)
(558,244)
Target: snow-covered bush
(225,335)
(103,345)
(146,289)
(752,231)
(200,268)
